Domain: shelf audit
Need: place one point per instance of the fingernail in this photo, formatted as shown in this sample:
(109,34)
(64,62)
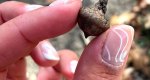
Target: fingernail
(68,1)
(49,52)
(73,65)
(61,2)
(117,45)
(32,7)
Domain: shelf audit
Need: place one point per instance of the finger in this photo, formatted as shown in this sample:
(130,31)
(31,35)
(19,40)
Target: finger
(12,9)
(67,64)
(105,57)
(17,71)
(48,73)
(45,54)
(3,74)
(30,24)
(25,31)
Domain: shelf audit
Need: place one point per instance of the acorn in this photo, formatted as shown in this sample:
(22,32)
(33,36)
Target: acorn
(92,20)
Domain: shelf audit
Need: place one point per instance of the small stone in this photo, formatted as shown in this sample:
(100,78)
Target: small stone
(92,19)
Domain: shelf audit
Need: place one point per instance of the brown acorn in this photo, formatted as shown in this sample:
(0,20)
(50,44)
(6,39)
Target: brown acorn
(92,19)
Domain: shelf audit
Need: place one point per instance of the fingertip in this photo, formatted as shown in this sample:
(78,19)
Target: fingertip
(48,51)
(106,54)
(73,65)
(114,45)
(32,7)
(129,29)
(45,54)
(65,3)
(48,73)
(68,63)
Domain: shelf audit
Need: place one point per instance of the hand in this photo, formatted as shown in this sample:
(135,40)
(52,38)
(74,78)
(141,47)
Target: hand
(23,27)
(22,30)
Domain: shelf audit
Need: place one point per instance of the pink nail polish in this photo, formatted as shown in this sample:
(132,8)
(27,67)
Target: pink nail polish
(117,45)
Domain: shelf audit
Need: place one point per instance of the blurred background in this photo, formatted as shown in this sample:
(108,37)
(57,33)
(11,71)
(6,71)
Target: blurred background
(132,12)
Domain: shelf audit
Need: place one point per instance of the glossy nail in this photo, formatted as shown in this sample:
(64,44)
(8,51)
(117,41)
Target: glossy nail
(117,45)
(68,1)
(61,2)
(32,7)
(73,65)
(49,51)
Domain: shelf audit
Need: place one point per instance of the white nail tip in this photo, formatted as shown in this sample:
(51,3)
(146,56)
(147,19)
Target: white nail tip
(57,3)
(73,65)
(49,56)
(49,52)
(66,1)
(60,2)
(123,56)
(127,27)
(32,7)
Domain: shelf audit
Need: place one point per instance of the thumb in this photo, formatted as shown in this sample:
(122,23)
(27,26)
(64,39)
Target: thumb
(105,57)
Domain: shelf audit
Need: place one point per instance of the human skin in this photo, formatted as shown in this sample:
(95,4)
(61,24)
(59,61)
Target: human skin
(24,27)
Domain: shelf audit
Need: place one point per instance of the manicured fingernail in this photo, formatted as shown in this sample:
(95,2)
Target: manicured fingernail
(32,7)
(61,2)
(73,65)
(49,51)
(117,45)
(68,1)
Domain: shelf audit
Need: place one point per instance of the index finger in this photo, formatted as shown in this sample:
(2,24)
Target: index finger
(48,22)
(20,35)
